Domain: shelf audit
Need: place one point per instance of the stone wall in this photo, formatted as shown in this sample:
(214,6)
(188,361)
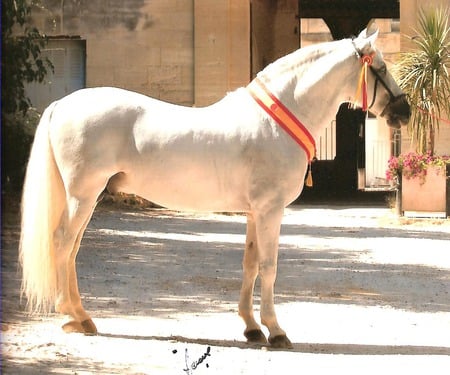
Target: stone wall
(140,45)
(189,52)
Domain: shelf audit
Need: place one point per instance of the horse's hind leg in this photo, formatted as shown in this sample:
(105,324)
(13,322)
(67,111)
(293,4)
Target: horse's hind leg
(68,238)
(252,331)
(84,324)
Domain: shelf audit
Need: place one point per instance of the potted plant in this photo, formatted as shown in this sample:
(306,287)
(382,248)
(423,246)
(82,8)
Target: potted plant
(423,181)
(423,73)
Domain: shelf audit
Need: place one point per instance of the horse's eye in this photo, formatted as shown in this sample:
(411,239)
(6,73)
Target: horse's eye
(383,69)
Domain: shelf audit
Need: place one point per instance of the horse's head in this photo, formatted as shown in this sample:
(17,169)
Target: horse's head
(387,99)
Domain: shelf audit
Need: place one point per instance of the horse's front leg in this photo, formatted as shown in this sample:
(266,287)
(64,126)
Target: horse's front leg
(268,225)
(250,267)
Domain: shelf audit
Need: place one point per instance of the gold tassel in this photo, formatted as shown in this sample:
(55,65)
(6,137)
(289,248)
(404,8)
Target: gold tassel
(309,180)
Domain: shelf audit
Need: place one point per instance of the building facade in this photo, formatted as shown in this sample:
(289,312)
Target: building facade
(192,52)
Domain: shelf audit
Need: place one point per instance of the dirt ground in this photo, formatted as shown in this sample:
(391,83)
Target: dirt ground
(358,291)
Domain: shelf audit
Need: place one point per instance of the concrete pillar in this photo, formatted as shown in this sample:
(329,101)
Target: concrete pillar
(221,48)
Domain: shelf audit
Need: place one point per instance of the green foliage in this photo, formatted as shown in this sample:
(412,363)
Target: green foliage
(17,136)
(21,63)
(423,74)
(21,55)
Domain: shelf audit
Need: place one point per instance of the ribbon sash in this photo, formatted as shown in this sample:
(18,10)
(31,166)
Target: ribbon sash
(283,117)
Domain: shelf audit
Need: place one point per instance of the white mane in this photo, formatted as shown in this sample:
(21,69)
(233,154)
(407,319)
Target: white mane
(301,60)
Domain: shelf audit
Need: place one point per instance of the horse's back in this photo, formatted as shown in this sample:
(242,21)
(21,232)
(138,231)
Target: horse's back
(88,110)
(154,149)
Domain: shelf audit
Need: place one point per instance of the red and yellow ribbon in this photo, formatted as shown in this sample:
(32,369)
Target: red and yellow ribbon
(286,119)
(361,89)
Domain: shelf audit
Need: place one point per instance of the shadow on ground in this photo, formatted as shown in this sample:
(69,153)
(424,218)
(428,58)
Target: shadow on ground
(172,262)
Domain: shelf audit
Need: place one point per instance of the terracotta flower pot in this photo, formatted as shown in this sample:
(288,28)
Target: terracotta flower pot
(425,196)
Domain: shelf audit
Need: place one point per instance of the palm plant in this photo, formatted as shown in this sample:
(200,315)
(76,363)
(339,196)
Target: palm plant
(423,74)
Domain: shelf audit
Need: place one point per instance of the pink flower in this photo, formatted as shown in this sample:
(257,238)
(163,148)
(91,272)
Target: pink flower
(413,165)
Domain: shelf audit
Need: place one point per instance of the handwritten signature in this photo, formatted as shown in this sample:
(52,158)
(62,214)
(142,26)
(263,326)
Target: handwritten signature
(192,366)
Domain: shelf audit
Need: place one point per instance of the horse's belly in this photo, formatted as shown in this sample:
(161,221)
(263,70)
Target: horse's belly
(192,188)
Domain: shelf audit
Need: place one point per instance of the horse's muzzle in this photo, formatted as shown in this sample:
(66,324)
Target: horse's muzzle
(397,112)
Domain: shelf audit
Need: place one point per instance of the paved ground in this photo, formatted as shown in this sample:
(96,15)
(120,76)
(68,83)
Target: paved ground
(358,291)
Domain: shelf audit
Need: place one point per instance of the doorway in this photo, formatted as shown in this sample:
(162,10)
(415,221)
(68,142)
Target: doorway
(68,56)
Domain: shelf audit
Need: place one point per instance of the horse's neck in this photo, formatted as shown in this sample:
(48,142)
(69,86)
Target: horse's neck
(314,92)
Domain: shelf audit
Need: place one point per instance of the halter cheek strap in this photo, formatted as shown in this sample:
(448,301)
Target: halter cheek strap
(285,118)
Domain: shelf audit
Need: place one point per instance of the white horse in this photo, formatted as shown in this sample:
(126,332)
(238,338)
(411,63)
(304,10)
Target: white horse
(236,155)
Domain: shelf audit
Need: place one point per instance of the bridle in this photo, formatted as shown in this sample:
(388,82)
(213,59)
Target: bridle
(378,78)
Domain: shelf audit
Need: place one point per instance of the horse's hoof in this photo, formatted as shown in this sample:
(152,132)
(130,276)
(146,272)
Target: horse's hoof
(280,342)
(73,327)
(89,327)
(255,336)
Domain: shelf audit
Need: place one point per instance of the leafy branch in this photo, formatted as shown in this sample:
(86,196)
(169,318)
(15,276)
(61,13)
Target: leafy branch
(21,58)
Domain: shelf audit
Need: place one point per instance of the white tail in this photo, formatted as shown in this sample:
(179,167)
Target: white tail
(43,202)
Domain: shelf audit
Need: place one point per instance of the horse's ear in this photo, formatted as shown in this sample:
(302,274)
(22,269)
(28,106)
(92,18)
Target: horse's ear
(372,32)
(362,35)
(367,38)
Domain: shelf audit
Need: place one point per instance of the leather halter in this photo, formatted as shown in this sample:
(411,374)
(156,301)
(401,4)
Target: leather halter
(378,78)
